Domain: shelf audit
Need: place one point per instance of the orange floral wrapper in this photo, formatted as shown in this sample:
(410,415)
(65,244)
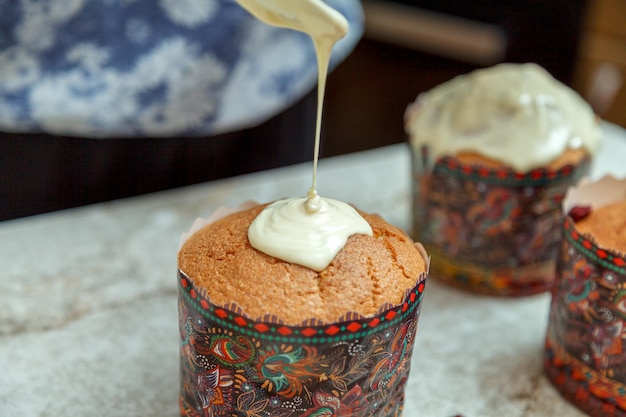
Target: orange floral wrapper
(492,231)
(585,351)
(232,364)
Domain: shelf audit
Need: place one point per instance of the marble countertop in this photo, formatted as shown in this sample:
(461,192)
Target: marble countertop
(88,310)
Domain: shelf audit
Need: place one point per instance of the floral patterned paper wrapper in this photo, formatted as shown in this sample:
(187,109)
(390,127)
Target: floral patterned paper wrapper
(235,365)
(585,350)
(492,231)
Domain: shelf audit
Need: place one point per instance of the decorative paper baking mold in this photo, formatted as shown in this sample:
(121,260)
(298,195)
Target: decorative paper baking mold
(232,364)
(585,349)
(489,230)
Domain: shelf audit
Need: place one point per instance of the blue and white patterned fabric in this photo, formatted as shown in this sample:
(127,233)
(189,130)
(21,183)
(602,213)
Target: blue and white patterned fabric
(149,68)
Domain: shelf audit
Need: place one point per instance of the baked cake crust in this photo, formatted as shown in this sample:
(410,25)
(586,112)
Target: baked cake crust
(367,274)
(607,225)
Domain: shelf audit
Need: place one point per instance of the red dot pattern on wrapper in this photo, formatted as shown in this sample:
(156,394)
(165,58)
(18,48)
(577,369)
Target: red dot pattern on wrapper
(536,177)
(354,328)
(609,259)
(264,367)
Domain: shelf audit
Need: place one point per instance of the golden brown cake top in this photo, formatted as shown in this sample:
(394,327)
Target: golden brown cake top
(369,272)
(607,225)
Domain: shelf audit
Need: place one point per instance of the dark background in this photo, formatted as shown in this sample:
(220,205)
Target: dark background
(365,101)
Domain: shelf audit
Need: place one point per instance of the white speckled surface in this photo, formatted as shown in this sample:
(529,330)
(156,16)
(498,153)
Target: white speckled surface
(88,318)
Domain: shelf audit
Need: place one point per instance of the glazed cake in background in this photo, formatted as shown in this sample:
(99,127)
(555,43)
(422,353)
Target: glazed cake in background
(493,152)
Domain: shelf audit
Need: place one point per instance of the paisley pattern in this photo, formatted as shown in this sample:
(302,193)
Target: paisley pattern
(493,231)
(124,68)
(234,366)
(585,349)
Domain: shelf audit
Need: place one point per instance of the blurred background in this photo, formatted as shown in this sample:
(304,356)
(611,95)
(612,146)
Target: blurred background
(408,47)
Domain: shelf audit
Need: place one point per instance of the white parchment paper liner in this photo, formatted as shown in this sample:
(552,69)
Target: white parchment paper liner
(598,193)
(219,213)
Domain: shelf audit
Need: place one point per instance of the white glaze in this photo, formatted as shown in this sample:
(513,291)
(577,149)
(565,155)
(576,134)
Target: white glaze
(306,231)
(517,114)
(288,231)
(312,17)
